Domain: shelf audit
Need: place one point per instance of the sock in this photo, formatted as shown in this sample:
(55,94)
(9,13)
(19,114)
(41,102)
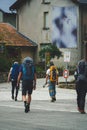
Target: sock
(25,103)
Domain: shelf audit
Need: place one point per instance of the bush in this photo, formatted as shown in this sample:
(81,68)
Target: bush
(40,67)
(4,64)
(52,50)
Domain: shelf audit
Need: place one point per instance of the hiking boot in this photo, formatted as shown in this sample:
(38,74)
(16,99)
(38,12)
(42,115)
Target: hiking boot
(81,111)
(27,108)
(15,98)
(12,97)
(52,100)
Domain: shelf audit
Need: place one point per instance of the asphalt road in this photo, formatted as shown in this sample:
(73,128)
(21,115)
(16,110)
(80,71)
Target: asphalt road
(44,115)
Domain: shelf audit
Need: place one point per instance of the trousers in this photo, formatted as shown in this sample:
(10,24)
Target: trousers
(15,87)
(81,89)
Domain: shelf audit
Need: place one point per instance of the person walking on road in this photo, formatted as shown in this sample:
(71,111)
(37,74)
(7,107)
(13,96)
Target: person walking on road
(28,74)
(52,80)
(12,76)
(81,83)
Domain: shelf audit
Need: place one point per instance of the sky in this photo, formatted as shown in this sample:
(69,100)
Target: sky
(5,4)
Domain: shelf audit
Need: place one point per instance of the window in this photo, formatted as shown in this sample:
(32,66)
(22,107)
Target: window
(46,21)
(45,1)
(2,48)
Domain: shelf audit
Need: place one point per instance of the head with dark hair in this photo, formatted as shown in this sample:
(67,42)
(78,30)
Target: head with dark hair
(51,63)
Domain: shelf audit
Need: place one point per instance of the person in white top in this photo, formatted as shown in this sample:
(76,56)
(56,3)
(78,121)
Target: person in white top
(52,85)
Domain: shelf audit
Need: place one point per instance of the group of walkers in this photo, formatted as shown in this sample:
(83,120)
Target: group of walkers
(27,73)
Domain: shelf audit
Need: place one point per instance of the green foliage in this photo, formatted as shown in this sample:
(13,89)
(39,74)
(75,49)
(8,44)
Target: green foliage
(52,49)
(40,67)
(6,60)
(4,63)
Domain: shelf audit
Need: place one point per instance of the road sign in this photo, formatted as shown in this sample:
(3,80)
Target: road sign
(67,56)
(66,73)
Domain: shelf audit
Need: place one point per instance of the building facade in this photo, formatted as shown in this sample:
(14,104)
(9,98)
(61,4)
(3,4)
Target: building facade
(36,18)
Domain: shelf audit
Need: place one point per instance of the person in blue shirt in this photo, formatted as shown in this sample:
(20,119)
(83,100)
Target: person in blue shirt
(28,74)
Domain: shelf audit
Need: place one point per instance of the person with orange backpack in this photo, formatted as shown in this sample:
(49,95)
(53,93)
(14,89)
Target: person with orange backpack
(52,80)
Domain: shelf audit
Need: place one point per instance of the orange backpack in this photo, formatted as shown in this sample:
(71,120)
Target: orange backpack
(53,74)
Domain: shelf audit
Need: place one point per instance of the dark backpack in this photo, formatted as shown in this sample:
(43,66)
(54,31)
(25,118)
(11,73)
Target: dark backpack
(15,71)
(81,67)
(28,70)
(82,71)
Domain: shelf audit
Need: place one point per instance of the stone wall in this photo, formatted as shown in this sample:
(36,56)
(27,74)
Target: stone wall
(3,77)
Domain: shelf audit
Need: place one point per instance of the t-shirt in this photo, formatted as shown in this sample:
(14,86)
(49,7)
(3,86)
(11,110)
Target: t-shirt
(21,69)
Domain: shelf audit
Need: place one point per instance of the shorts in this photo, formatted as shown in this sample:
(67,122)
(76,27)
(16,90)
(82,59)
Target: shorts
(27,87)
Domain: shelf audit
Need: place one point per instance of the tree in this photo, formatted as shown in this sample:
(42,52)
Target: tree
(52,50)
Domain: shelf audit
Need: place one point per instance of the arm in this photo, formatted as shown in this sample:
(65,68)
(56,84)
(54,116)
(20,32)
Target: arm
(47,75)
(9,75)
(35,78)
(57,78)
(57,81)
(19,77)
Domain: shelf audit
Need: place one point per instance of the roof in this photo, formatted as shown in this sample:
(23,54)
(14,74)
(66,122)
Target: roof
(5,4)
(80,1)
(17,4)
(10,36)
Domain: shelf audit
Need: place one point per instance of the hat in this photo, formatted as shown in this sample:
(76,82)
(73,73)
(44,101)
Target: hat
(15,62)
(27,59)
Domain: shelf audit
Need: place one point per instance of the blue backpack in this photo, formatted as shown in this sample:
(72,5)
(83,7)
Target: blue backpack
(28,70)
(15,71)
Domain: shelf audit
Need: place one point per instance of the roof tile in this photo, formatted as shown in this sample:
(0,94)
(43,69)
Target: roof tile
(10,36)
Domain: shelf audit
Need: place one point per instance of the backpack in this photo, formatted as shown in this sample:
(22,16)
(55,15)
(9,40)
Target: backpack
(28,70)
(82,71)
(15,71)
(53,74)
(81,67)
